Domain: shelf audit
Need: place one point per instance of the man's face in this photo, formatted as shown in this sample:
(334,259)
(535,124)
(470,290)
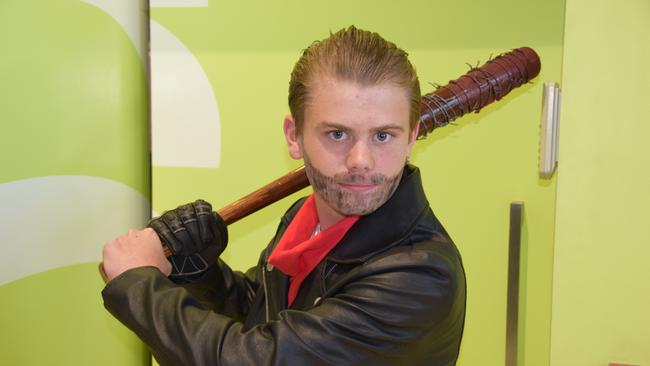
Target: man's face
(355,141)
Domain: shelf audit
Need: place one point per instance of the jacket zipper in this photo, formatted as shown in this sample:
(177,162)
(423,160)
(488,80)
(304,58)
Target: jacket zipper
(266,294)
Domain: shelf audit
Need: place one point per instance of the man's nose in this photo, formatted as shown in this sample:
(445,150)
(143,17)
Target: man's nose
(360,157)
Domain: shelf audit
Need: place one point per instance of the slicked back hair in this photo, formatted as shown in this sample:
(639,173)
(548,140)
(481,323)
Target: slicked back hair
(353,55)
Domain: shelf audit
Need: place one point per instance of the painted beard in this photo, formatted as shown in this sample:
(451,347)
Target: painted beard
(349,202)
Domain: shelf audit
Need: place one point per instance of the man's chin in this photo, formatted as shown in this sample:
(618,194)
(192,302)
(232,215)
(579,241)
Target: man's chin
(358,207)
(357,200)
(360,212)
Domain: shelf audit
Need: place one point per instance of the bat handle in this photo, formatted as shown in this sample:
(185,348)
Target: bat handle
(270,193)
(255,201)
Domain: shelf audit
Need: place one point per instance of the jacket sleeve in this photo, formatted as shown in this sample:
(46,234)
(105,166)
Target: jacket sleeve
(380,317)
(225,291)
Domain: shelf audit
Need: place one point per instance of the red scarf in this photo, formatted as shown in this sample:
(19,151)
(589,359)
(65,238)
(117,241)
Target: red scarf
(299,252)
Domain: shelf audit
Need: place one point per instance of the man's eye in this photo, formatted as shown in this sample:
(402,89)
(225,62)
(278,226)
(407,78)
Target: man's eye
(382,136)
(337,135)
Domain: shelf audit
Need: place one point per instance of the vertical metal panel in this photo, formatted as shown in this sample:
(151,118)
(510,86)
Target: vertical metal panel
(514,251)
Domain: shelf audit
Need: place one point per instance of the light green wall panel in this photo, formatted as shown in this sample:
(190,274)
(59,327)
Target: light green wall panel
(472,171)
(56,318)
(70,73)
(74,173)
(601,290)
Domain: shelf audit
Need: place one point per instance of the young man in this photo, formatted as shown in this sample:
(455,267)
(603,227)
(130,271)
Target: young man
(361,272)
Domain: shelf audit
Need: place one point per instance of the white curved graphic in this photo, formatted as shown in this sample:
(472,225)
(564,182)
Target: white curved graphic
(51,222)
(186,130)
(133,16)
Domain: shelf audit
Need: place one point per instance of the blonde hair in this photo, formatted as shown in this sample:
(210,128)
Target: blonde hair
(355,55)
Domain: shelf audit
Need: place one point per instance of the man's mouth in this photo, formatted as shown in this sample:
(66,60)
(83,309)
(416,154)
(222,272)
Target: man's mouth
(358,187)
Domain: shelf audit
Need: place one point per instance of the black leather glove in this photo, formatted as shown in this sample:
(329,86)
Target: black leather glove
(195,235)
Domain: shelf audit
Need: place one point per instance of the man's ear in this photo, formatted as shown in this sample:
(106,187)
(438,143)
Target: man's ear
(292,137)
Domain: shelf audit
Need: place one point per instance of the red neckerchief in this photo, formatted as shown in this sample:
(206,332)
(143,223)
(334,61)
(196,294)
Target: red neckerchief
(298,252)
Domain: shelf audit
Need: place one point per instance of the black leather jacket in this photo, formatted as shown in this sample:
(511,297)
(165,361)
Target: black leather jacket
(392,292)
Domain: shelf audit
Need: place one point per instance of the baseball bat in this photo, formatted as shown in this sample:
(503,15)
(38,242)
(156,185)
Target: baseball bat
(471,92)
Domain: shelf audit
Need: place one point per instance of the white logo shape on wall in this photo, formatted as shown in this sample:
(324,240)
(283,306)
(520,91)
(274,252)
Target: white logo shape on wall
(186,129)
(71,218)
(132,16)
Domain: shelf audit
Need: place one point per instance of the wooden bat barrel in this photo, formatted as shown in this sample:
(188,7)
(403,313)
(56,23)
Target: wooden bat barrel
(478,88)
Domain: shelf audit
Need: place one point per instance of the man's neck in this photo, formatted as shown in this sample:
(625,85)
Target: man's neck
(327,216)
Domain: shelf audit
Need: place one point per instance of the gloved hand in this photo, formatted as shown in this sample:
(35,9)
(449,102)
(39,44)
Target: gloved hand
(195,235)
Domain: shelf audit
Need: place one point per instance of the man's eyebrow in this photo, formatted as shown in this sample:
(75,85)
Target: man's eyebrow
(341,126)
(389,126)
(333,125)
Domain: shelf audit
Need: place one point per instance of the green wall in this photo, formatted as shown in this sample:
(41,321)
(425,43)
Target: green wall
(74,173)
(472,171)
(601,290)
(73,118)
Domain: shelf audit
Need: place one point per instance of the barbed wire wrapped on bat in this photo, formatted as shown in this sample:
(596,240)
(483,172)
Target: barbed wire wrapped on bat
(477,88)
